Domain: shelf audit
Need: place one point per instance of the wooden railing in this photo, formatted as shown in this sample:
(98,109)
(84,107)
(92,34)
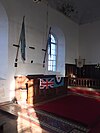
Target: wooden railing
(84,82)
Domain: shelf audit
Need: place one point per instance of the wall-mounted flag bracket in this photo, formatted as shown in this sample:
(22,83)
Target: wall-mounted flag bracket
(32,47)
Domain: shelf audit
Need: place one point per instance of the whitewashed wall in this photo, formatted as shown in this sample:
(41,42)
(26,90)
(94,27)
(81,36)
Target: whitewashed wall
(35,24)
(89,43)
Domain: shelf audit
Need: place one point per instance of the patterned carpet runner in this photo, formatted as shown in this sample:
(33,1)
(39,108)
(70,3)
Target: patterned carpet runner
(52,123)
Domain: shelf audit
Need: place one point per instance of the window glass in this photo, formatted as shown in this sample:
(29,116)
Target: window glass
(52,39)
(53,57)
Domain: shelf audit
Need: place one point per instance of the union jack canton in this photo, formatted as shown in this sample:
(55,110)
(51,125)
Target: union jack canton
(46,83)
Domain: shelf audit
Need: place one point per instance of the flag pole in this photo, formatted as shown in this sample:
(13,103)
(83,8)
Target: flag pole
(45,54)
(47,47)
(16,59)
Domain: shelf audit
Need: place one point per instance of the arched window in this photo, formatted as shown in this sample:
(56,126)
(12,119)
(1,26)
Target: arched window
(52,58)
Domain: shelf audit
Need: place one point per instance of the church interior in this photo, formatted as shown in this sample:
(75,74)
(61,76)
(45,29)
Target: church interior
(50,66)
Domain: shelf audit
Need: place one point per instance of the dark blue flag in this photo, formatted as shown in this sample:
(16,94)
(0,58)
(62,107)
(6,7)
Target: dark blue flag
(22,40)
(49,40)
(48,45)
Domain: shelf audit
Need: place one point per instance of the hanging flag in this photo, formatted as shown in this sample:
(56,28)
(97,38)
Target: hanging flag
(22,40)
(46,83)
(59,81)
(49,41)
(47,45)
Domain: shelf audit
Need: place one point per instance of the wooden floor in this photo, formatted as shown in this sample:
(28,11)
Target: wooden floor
(14,124)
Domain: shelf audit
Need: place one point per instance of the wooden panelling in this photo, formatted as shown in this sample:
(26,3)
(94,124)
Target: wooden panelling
(28,89)
(87,71)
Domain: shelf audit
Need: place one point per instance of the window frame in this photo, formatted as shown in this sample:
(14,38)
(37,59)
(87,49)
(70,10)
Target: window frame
(53,66)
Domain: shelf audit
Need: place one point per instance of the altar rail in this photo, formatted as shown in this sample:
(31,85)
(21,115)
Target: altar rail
(84,82)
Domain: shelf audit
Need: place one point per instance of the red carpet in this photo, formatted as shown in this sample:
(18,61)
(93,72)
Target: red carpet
(84,110)
(95,129)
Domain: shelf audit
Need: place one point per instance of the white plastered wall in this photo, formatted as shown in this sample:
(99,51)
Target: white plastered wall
(35,25)
(89,43)
(3,53)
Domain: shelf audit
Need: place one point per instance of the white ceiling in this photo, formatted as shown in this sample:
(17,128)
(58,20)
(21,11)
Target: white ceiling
(80,11)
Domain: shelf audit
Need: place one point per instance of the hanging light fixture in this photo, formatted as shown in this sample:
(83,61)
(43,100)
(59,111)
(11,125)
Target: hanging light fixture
(97,66)
(80,62)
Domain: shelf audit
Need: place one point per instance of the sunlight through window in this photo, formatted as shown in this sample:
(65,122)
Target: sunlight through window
(52,57)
